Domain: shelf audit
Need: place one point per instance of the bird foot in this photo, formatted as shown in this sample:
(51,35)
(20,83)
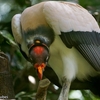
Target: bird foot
(65,89)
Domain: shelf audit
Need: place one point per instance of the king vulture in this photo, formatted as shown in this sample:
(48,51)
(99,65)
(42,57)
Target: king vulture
(61,40)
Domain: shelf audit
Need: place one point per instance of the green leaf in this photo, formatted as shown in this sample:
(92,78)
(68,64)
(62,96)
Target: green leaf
(1,38)
(5,35)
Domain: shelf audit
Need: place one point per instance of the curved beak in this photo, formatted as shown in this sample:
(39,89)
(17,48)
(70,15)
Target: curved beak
(40,69)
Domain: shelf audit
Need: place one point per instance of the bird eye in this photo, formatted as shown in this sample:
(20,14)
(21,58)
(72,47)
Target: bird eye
(47,58)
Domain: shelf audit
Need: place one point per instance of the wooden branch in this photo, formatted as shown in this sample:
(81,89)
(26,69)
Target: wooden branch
(42,89)
(6,86)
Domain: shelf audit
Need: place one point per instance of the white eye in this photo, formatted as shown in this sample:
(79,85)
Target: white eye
(47,58)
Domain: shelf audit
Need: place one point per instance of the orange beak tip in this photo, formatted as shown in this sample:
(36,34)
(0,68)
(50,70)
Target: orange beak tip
(40,68)
(40,72)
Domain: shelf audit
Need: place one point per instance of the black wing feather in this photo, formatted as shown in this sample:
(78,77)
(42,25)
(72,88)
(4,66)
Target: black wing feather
(51,75)
(24,54)
(87,43)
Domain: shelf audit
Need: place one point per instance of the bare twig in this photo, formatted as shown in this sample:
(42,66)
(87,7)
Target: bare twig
(42,89)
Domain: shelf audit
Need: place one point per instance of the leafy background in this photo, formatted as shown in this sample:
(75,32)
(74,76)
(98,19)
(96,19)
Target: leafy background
(25,81)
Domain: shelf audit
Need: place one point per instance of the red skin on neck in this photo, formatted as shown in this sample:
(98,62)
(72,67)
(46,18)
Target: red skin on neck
(38,50)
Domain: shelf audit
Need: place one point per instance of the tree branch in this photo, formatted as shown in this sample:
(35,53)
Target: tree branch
(42,89)
(6,86)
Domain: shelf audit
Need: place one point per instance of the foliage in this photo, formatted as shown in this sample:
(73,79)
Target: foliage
(20,68)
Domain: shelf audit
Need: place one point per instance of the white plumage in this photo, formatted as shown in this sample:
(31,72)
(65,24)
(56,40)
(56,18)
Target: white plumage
(62,17)
(74,64)
(66,16)
(17,28)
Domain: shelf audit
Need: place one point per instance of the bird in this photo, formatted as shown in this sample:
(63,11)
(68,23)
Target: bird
(62,41)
